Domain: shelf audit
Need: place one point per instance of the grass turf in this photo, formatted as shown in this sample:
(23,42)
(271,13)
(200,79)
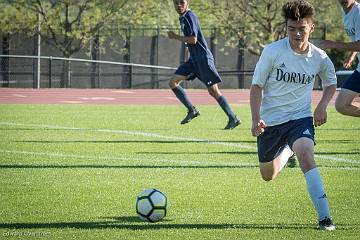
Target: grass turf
(73,171)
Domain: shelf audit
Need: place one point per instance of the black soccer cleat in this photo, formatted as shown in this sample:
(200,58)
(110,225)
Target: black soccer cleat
(232,123)
(326,224)
(190,115)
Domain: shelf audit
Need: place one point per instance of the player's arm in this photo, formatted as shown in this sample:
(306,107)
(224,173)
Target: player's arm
(258,125)
(262,71)
(328,77)
(185,39)
(320,114)
(347,46)
(349,60)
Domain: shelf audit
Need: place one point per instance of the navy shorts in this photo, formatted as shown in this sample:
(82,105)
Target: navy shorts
(353,83)
(204,69)
(272,141)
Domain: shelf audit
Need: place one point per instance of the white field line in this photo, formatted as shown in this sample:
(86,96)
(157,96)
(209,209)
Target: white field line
(336,159)
(155,135)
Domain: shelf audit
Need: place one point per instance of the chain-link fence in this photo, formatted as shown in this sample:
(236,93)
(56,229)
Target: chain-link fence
(21,71)
(116,69)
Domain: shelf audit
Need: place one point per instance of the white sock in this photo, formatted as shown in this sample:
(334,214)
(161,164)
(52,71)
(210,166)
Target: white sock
(317,193)
(284,156)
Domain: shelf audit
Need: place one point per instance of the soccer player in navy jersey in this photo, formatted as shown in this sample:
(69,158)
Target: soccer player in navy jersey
(351,88)
(200,65)
(280,101)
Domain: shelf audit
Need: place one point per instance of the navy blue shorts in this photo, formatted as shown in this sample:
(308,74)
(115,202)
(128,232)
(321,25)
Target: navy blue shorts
(203,69)
(353,83)
(272,141)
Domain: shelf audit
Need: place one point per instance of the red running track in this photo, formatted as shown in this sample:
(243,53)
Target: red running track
(120,96)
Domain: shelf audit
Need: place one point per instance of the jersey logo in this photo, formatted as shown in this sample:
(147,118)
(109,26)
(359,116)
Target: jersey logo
(293,77)
(282,65)
(307,132)
(350,32)
(323,196)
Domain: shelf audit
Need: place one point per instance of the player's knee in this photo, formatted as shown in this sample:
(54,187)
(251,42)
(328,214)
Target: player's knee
(305,154)
(340,107)
(173,84)
(267,177)
(214,93)
(211,92)
(306,160)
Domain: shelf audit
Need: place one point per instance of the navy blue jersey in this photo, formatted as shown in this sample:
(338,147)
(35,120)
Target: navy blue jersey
(190,27)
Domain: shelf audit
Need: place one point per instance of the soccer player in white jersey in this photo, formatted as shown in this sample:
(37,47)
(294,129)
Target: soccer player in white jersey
(351,88)
(280,100)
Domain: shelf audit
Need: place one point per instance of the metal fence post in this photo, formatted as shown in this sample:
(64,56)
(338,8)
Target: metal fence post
(240,64)
(5,71)
(130,76)
(154,59)
(5,65)
(127,79)
(69,74)
(157,56)
(50,71)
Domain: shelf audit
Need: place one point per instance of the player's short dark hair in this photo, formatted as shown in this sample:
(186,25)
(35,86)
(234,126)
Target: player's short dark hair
(298,9)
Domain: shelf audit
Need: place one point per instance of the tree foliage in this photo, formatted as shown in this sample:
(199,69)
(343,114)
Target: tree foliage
(66,25)
(69,25)
(259,22)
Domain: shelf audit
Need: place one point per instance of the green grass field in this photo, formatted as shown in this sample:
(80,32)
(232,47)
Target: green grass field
(74,171)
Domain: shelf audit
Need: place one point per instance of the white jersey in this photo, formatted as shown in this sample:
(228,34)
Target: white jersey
(352,26)
(287,79)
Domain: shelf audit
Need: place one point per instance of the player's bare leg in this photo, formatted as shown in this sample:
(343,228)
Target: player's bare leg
(270,170)
(345,103)
(304,149)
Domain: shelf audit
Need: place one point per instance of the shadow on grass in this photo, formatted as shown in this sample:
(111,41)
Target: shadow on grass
(245,166)
(205,152)
(134,223)
(135,141)
(20,166)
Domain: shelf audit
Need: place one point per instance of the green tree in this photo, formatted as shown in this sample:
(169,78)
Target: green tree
(257,23)
(66,25)
(70,25)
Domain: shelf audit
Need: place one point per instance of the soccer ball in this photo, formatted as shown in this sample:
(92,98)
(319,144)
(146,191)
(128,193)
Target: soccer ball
(151,205)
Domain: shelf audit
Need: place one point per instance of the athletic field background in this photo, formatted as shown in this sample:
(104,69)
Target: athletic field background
(72,163)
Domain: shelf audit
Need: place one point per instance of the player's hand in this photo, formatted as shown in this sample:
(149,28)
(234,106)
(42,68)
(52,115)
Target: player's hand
(348,62)
(320,116)
(171,35)
(258,127)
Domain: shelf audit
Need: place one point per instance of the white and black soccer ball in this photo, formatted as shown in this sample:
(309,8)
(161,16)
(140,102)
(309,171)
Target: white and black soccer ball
(151,205)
